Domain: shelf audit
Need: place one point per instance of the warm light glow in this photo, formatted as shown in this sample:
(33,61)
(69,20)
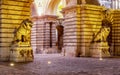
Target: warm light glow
(100,58)
(12,64)
(39,6)
(60,6)
(42,5)
(101,53)
(49,62)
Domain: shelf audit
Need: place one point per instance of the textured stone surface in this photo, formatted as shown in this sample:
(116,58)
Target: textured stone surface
(80,23)
(12,12)
(21,54)
(21,50)
(44,30)
(115,46)
(58,65)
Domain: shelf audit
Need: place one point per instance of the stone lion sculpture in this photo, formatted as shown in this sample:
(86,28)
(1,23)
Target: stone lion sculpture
(102,34)
(22,34)
(100,39)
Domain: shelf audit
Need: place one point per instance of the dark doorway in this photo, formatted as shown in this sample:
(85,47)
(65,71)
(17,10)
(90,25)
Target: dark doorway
(60,29)
(50,34)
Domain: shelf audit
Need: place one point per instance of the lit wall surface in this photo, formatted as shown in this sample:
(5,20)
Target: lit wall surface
(49,7)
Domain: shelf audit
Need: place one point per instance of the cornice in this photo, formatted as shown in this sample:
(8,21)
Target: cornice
(44,17)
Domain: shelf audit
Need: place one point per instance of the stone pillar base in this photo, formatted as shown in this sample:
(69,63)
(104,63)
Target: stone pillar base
(50,50)
(99,49)
(21,54)
(69,51)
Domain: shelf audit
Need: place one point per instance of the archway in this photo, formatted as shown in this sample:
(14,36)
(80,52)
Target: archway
(50,9)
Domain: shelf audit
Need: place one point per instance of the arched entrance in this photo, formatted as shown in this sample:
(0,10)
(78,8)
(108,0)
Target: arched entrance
(45,23)
(49,15)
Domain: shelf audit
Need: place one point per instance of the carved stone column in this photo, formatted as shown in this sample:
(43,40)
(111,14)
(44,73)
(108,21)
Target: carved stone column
(81,21)
(71,30)
(45,33)
(115,46)
(12,13)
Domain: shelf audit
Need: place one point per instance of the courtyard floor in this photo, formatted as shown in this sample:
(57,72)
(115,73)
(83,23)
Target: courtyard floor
(56,64)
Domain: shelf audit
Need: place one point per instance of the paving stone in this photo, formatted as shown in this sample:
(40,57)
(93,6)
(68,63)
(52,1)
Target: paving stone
(56,64)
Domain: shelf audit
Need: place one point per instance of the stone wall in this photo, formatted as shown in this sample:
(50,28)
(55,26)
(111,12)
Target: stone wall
(45,28)
(38,35)
(115,46)
(90,23)
(70,30)
(12,12)
(80,23)
(33,37)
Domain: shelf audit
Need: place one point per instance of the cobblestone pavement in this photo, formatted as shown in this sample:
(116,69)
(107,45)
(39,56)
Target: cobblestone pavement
(55,64)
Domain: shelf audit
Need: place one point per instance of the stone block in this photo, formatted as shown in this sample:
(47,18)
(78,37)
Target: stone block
(100,49)
(22,8)
(21,54)
(11,21)
(6,36)
(6,40)
(70,51)
(4,53)
(9,26)
(15,12)
(84,23)
(7,30)
(12,14)
(18,17)
(15,3)
(7,44)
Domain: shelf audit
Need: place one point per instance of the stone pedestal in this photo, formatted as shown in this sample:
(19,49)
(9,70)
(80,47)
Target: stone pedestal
(12,12)
(21,53)
(99,49)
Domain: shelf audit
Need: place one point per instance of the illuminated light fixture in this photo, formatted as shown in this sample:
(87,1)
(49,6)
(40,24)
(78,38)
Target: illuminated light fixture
(12,64)
(100,58)
(49,62)
(100,55)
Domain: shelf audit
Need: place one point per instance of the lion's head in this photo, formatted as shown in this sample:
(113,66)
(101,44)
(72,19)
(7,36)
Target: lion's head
(27,24)
(23,32)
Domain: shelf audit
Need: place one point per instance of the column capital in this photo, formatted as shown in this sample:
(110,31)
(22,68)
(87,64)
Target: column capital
(45,17)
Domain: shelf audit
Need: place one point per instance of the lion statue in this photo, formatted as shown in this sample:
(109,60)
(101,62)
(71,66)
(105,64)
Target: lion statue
(22,34)
(100,38)
(103,33)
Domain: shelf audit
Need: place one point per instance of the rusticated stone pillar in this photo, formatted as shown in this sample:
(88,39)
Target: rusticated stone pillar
(33,37)
(90,22)
(81,22)
(45,33)
(115,46)
(12,13)
(71,30)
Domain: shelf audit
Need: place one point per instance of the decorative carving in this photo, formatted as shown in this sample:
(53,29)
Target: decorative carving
(22,34)
(102,34)
(26,53)
(100,38)
(21,50)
